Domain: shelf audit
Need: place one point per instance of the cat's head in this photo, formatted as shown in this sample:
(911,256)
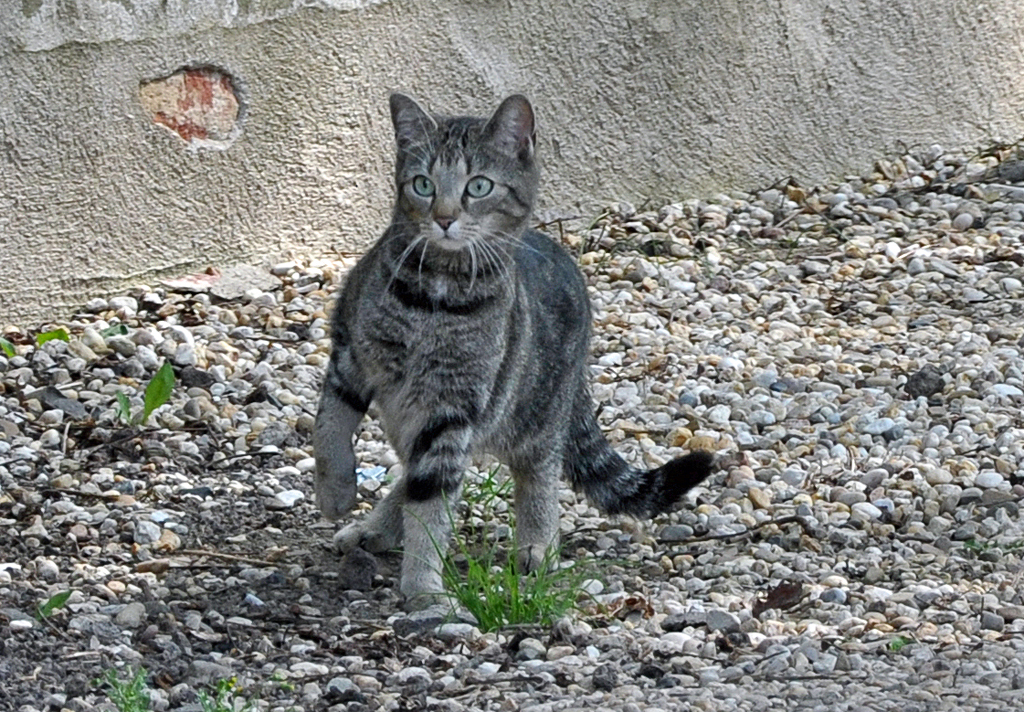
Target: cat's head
(465,181)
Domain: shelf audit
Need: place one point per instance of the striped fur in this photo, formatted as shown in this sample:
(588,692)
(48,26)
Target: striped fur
(470,332)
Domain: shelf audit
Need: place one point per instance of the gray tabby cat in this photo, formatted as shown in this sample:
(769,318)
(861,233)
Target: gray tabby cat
(470,332)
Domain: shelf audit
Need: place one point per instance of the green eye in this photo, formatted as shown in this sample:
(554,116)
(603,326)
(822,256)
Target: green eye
(479,186)
(423,186)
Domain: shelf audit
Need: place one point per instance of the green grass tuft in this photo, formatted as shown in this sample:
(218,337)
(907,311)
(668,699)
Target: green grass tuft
(488,584)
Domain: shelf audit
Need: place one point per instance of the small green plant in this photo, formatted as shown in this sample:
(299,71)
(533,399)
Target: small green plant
(7,347)
(55,602)
(282,682)
(225,698)
(128,694)
(52,335)
(975,545)
(158,390)
(899,643)
(491,587)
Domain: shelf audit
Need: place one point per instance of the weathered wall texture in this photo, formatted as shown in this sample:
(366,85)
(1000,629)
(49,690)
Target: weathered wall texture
(146,137)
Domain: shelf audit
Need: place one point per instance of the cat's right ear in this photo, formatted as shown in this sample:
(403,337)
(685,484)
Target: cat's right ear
(411,122)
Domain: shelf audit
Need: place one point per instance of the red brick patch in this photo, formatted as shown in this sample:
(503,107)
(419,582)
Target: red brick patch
(200,104)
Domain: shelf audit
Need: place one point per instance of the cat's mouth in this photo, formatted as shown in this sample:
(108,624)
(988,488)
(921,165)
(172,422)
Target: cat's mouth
(449,243)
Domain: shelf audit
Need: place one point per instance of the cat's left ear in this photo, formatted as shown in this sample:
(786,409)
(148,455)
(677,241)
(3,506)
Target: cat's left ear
(512,127)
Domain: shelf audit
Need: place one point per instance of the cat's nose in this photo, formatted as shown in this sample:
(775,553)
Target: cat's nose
(443,221)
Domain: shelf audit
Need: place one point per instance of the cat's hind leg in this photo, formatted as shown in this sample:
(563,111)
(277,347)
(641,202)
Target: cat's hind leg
(537,510)
(428,527)
(436,460)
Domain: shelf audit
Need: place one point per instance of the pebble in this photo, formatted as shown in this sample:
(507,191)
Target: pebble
(992,621)
(132,615)
(989,479)
(531,649)
(866,510)
(47,570)
(147,532)
(963,221)
(289,498)
(722,621)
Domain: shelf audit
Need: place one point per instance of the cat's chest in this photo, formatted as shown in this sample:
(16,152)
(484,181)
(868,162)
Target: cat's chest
(402,344)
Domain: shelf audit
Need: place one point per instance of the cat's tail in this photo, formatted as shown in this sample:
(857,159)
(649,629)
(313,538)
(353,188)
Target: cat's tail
(614,487)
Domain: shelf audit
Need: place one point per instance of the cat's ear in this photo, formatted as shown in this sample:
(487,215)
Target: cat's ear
(512,127)
(410,120)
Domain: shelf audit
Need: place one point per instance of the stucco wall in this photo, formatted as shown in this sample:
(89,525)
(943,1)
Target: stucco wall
(658,99)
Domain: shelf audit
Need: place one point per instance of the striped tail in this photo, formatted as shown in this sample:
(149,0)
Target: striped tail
(614,487)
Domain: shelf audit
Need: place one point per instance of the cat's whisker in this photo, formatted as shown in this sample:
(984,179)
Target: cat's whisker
(401,259)
(517,242)
(423,255)
(472,263)
(493,260)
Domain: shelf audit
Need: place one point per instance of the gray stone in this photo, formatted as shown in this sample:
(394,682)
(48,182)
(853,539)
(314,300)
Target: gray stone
(866,511)
(833,595)
(1006,390)
(675,532)
(992,621)
(1011,613)
(146,532)
(47,570)
(680,621)
(340,685)
(718,620)
(531,649)
(988,479)
(605,678)
(413,679)
(874,575)
(926,382)
(357,570)
(132,615)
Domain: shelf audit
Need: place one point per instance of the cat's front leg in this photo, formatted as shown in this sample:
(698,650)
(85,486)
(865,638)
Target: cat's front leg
(342,407)
(433,483)
(381,529)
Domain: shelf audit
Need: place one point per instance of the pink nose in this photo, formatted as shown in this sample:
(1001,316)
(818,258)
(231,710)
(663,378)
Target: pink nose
(444,222)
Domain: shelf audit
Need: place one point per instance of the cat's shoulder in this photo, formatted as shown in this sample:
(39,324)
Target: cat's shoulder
(541,254)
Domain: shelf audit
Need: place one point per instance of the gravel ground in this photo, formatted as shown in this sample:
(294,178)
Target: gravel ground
(853,353)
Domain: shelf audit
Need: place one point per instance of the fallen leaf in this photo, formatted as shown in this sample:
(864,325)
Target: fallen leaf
(153,566)
(168,541)
(785,595)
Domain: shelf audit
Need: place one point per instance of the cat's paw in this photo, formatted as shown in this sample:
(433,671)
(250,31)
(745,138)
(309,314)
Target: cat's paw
(335,491)
(440,604)
(531,559)
(364,535)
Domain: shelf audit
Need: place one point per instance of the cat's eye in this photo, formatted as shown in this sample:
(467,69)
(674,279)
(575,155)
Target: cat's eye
(423,186)
(479,186)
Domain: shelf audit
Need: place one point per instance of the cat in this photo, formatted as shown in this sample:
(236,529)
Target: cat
(471,333)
